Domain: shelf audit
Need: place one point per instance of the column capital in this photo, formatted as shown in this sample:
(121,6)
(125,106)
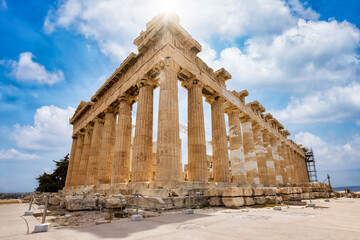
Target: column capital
(146,81)
(99,120)
(192,82)
(245,118)
(89,127)
(126,98)
(81,133)
(232,109)
(215,98)
(110,110)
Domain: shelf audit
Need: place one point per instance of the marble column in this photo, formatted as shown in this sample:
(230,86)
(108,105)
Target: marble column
(106,154)
(289,167)
(168,151)
(197,158)
(237,157)
(221,168)
(305,174)
(295,166)
(85,154)
(300,168)
(260,154)
(121,162)
(270,166)
(92,168)
(71,161)
(252,174)
(275,144)
(142,149)
(283,162)
(77,159)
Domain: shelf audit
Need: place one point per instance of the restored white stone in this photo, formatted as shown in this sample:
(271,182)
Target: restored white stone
(270,164)
(42,227)
(251,165)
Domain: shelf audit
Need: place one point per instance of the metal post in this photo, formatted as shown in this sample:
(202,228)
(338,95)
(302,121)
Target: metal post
(137,203)
(45,208)
(328,177)
(31,201)
(276,207)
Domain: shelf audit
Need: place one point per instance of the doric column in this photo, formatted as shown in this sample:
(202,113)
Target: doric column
(283,162)
(252,174)
(77,159)
(142,149)
(168,151)
(85,154)
(237,157)
(197,159)
(300,168)
(71,161)
(296,167)
(92,168)
(275,148)
(304,172)
(260,154)
(221,168)
(289,166)
(106,154)
(270,166)
(121,162)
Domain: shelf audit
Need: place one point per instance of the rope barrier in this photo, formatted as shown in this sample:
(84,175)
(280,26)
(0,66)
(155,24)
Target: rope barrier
(27,225)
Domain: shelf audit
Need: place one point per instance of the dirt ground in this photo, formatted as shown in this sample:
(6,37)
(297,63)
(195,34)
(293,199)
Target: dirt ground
(337,219)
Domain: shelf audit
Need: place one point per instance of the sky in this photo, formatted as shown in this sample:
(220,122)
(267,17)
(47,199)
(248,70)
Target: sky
(299,59)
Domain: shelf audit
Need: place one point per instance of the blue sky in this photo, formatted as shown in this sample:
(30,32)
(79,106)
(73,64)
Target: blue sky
(299,59)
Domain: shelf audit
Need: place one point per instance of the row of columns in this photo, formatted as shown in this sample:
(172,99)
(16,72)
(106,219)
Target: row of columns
(100,152)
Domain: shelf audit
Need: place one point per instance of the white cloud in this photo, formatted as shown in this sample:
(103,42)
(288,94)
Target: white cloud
(329,156)
(306,13)
(336,104)
(114,24)
(311,55)
(26,70)
(51,130)
(13,154)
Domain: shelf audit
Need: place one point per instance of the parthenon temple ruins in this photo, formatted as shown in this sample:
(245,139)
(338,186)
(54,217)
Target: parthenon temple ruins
(107,156)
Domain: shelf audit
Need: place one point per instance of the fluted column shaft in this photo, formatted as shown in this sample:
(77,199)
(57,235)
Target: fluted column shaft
(121,162)
(197,159)
(304,172)
(270,166)
(289,167)
(85,155)
(221,168)
(237,157)
(92,168)
(71,161)
(299,170)
(260,154)
(283,162)
(275,148)
(296,167)
(142,150)
(251,166)
(77,159)
(168,151)
(106,154)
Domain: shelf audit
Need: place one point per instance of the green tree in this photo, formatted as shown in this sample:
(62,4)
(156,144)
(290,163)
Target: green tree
(55,181)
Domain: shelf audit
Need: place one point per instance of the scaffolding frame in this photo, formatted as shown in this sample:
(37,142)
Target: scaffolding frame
(310,164)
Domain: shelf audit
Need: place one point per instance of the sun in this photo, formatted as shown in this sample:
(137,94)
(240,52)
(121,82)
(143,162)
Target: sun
(167,6)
